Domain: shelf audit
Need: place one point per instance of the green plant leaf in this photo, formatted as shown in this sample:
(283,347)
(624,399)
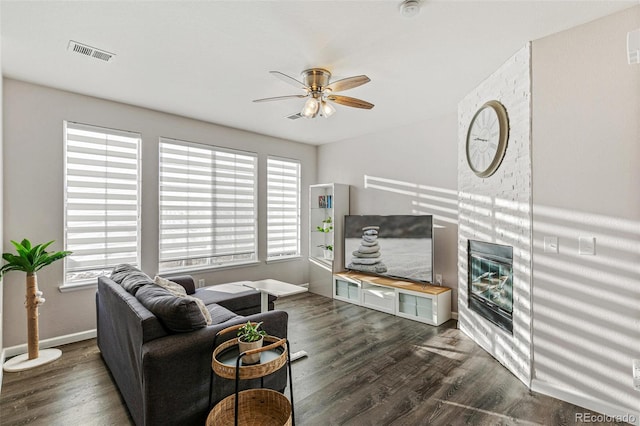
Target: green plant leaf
(40,249)
(250,333)
(49,259)
(20,248)
(26,244)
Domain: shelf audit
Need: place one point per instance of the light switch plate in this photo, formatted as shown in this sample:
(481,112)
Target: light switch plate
(551,245)
(587,245)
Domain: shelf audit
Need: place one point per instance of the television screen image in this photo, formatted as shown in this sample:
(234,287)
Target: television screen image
(397,246)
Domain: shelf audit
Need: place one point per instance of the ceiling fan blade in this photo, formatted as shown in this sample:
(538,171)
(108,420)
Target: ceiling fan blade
(292,81)
(348,83)
(350,102)
(280,98)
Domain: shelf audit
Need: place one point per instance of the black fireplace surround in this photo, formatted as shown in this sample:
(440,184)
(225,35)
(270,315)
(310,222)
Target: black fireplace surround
(490,282)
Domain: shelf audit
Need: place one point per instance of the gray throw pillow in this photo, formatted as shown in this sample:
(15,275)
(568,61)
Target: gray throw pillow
(178,314)
(179,291)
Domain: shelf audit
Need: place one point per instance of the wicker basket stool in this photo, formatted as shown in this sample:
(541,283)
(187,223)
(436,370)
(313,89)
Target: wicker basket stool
(256,407)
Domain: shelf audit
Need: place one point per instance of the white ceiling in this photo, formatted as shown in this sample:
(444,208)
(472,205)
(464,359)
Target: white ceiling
(209,59)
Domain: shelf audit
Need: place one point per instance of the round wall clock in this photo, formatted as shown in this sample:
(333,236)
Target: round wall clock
(487,138)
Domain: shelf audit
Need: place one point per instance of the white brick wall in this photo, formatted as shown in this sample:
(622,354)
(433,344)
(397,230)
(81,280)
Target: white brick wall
(497,209)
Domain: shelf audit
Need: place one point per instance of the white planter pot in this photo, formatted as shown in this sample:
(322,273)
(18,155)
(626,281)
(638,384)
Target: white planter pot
(246,346)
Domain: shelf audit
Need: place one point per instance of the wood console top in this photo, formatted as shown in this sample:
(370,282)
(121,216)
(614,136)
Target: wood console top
(390,282)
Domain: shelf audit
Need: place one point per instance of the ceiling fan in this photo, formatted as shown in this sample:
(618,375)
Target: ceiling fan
(320,91)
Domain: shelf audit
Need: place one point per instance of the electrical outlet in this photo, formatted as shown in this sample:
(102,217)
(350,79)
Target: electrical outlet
(551,245)
(201,282)
(636,374)
(439,279)
(587,245)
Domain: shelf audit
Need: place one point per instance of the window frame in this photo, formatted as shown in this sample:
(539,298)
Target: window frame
(208,262)
(298,177)
(70,284)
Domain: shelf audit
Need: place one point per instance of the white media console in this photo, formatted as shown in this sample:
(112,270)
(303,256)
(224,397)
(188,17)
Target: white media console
(424,303)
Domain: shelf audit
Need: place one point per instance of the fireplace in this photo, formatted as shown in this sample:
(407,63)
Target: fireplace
(490,282)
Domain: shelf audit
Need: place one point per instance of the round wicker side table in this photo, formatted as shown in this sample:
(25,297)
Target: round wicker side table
(252,407)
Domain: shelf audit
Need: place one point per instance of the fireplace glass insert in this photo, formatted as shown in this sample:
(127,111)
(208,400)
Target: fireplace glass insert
(490,286)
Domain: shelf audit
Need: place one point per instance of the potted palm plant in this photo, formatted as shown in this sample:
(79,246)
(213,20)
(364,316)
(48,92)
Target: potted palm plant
(249,337)
(30,259)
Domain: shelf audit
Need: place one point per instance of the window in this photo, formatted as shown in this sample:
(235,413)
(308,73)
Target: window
(208,206)
(102,207)
(283,208)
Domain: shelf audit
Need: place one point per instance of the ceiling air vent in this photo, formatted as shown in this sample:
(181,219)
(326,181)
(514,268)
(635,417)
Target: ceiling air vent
(83,49)
(294,116)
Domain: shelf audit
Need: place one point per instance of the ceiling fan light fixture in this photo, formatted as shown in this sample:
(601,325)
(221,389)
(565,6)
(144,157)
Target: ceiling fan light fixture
(319,91)
(327,109)
(310,108)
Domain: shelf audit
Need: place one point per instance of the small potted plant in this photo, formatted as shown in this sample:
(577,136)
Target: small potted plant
(327,251)
(249,337)
(327,225)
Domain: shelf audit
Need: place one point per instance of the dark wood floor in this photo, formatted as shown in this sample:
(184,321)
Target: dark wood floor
(364,368)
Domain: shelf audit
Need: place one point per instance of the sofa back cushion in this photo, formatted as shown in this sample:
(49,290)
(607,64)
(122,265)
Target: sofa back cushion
(126,315)
(178,314)
(130,277)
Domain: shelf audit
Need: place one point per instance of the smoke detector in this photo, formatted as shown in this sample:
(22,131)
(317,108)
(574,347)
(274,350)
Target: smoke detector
(410,8)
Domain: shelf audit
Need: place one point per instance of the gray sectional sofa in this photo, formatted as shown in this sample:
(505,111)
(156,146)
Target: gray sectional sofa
(162,363)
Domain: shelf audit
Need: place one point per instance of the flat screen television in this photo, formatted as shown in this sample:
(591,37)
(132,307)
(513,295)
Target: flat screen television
(396,246)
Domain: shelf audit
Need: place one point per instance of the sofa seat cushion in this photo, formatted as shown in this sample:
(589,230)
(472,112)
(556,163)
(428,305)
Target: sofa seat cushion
(178,314)
(130,277)
(233,296)
(221,314)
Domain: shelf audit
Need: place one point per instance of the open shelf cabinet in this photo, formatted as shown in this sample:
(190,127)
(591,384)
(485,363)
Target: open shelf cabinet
(327,202)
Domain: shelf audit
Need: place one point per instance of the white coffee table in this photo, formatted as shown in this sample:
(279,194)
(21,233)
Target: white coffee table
(278,289)
(275,288)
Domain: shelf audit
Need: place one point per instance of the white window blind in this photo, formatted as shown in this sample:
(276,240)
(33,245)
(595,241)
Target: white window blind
(208,206)
(102,193)
(283,208)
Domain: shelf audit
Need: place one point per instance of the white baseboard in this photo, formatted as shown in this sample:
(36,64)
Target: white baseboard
(454,315)
(50,343)
(615,412)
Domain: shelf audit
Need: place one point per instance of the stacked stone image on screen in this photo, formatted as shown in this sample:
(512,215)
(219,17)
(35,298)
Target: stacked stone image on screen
(367,257)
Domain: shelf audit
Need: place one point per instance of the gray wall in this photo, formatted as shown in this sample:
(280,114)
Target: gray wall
(586,180)
(1,215)
(33,197)
(408,170)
